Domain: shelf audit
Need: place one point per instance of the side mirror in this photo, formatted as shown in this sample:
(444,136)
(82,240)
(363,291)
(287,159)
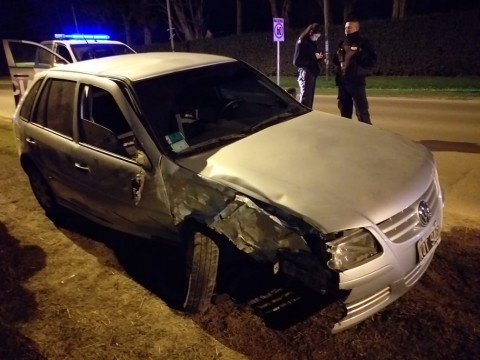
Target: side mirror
(141,159)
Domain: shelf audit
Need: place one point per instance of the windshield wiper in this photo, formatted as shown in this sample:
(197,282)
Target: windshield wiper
(272,121)
(225,138)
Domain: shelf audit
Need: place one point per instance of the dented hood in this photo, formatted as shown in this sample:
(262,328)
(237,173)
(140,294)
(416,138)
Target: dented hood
(336,173)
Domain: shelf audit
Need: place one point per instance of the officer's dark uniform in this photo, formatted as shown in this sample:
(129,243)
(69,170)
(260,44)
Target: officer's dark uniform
(355,58)
(305,60)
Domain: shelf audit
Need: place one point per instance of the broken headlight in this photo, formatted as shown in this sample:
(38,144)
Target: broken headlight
(352,249)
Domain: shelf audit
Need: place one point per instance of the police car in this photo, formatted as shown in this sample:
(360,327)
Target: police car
(78,47)
(25,58)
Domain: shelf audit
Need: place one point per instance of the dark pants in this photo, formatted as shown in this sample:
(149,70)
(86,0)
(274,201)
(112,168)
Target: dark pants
(306,83)
(353,94)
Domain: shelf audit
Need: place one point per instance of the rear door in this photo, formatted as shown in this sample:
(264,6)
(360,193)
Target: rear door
(49,134)
(24,59)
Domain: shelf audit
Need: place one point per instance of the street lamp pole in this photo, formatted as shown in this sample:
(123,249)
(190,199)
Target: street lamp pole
(170,29)
(326,17)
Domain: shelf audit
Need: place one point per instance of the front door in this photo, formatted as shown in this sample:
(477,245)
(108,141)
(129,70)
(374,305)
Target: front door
(110,178)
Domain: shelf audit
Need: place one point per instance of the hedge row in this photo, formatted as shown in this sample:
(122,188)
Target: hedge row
(440,45)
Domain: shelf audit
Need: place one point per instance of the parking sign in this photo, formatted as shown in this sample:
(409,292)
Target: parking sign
(278,33)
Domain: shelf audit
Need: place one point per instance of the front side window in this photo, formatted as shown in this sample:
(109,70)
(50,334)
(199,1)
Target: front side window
(102,123)
(55,106)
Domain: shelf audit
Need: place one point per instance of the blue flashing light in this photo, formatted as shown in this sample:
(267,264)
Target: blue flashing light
(82,36)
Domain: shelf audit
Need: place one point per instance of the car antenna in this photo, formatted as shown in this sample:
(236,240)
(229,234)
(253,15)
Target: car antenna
(75,19)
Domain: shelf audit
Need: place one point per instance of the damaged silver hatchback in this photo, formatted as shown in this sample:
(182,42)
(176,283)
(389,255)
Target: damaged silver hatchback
(203,150)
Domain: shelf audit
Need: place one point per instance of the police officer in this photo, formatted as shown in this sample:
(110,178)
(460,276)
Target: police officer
(306,58)
(354,58)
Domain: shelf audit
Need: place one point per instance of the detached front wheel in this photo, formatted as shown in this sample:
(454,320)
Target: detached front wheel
(202,256)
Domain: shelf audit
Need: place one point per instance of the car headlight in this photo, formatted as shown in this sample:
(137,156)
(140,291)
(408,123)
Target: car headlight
(354,248)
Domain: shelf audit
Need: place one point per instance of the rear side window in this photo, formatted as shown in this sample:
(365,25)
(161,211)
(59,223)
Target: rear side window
(55,106)
(27,107)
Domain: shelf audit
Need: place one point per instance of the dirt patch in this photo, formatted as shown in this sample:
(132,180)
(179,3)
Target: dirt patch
(78,291)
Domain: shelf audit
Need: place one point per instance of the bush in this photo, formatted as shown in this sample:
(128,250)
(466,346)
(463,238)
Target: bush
(434,45)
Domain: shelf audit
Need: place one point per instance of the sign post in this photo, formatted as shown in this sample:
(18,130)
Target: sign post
(278,36)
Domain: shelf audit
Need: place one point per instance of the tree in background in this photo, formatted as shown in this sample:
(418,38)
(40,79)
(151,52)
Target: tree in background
(239,17)
(188,16)
(348,8)
(281,9)
(398,11)
(138,18)
(121,13)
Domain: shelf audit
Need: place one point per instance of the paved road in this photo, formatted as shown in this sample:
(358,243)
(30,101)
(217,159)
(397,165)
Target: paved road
(441,124)
(450,128)
(421,119)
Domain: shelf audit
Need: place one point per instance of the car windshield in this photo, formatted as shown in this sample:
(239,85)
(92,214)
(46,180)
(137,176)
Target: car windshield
(89,51)
(203,108)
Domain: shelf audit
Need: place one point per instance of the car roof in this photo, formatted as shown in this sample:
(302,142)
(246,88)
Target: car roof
(142,65)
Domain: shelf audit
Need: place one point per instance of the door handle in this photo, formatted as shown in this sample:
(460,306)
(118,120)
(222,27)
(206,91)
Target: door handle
(30,140)
(82,167)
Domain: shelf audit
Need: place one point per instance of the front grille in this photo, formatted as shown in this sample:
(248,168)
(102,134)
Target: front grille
(405,225)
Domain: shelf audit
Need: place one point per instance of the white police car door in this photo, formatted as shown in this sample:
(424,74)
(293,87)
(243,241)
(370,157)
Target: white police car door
(24,59)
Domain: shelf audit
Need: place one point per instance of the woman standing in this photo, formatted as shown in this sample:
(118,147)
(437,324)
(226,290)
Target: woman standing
(306,58)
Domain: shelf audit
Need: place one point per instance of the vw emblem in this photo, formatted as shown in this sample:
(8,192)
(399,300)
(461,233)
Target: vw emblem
(424,213)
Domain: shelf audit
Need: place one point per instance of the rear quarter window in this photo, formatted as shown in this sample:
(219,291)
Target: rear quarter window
(27,107)
(62,50)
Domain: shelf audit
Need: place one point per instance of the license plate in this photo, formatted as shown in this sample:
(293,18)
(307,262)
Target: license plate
(426,244)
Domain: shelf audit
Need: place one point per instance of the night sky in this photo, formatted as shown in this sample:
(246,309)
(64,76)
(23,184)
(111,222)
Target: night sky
(257,15)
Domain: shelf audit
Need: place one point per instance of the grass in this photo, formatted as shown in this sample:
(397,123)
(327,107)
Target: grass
(426,86)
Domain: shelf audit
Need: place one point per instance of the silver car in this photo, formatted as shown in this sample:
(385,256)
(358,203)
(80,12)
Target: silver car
(204,151)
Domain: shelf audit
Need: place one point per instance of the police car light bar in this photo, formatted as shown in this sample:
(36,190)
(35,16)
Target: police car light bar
(82,36)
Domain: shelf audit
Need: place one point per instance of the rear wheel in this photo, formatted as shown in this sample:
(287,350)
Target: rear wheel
(202,255)
(42,191)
